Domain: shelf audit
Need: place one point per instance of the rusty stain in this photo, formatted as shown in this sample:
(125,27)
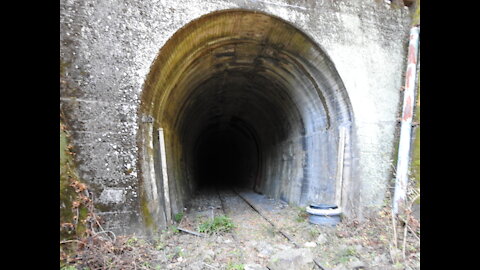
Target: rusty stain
(408,77)
(412,52)
(407,112)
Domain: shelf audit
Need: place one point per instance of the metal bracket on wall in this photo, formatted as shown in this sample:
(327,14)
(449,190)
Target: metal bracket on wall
(147,119)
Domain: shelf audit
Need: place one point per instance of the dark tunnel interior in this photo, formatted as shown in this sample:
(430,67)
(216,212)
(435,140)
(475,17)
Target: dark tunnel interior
(226,158)
(235,122)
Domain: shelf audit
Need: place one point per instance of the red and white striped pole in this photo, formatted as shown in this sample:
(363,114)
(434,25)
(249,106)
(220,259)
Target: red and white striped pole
(401,178)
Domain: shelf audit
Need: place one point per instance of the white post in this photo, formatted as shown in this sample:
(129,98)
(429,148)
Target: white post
(153,181)
(401,178)
(168,210)
(340,158)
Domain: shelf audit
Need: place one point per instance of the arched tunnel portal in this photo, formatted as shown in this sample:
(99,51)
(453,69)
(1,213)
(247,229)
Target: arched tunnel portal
(243,98)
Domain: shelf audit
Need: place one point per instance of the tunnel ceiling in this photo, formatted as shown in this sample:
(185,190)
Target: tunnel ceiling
(251,74)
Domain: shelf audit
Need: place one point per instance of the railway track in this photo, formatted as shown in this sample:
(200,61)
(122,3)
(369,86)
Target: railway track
(232,201)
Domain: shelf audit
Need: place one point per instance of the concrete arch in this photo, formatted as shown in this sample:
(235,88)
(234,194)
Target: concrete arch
(257,85)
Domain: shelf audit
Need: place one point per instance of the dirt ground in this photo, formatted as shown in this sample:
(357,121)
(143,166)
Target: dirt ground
(262,228)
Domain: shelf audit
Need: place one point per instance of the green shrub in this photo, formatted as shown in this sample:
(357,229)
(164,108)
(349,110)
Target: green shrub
(218,224)
(70,267)
(178,217)
(235,266)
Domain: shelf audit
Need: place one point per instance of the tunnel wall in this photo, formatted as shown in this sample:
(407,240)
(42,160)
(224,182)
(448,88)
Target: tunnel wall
(108,47)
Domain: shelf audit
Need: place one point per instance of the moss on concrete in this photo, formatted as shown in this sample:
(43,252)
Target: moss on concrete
(70,216)
(146,214)
(416,14)
(63,67)
(415,165)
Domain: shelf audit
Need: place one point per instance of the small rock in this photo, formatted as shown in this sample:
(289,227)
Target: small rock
(208,255)
(265,250)
(282,247)
(357,265)
(254,266)
(310,244)
(358,248)
(381,259)
(196,266)
(340,267)
(265,253)
(322,239)
(299,259)
(341,234)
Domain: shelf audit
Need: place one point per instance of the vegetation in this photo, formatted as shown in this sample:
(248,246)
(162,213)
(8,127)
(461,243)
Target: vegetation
(68,268)
(218,224)
(235,266)
(178,217)
(346,255)
(302,214)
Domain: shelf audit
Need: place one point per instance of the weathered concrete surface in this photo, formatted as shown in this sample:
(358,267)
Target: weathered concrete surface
(107,48)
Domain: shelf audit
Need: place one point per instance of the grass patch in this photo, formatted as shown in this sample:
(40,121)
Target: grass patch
(269,230)
(235,266)
(178,217)
(313,233)
(346,255)
(68,268)
(178,252)
(218,224)
(134,241)
(173,229)
(302,215)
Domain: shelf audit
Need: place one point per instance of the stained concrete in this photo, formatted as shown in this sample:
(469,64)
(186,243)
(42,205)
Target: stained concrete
(108,50)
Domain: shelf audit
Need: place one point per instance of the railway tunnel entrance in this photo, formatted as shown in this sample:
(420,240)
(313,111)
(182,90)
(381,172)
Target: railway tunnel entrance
(243,98)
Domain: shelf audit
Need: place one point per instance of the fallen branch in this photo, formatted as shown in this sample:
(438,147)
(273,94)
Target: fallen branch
(71,241)
(209,265)
(394,227)
(393,248)
(413,232)
(404,241)
(114,237)
(190,232)
(407,218)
